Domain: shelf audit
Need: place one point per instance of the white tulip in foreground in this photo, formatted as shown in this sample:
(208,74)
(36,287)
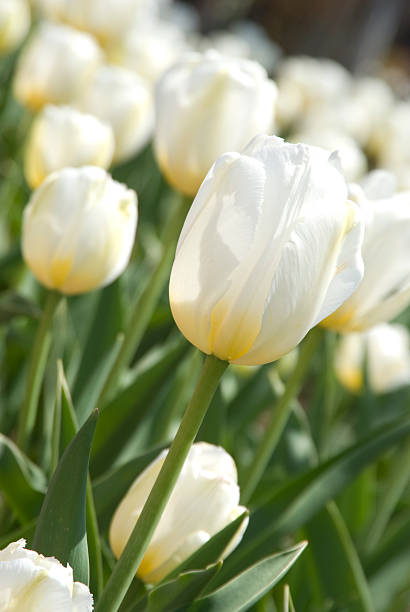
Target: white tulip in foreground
(204,500)
(386,350)
(78,229)
(206,105)
(270,247)
(30,582)
(61,136)
(14,23)
(55,66)
(385,289)
(121,98)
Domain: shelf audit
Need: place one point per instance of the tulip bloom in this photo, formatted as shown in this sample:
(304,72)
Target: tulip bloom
(269,248)
(61,136)
(386,350)
(55,66)
(206,105)
(14,23)
(122,99)
(30,582)
(204,500)
(78,229)
(385,289)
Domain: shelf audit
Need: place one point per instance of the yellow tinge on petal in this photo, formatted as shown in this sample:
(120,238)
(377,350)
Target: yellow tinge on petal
(352,379)
(60,269)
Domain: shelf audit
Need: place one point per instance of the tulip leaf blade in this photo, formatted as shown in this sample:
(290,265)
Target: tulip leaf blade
(247,588)
(174,594)
(213,549)
(61,529)
(22,483)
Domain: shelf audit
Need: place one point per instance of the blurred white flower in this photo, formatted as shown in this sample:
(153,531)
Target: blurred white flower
(122,99)
(205,499)
(78,229)
(386,350)
(269,248)
(55,66)
(385,289)
(206,105)
(30,582)
(14,23)
(184,16)
(61,136)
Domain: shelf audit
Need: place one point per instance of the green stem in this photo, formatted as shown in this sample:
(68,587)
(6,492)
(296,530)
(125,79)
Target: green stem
(94,548)
(147,302)
(36,370)
(137,544)
(279,418)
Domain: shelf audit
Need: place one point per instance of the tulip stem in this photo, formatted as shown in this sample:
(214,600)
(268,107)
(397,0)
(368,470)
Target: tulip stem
(279,418)
(36,368)
(131,557)
(146,304)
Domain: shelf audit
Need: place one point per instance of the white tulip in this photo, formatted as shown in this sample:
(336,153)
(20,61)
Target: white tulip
(14,23)
(386,350)
(385,289)
(55,65)
(270,247)
(78,229)
(122,99)
(205,499)
(206,105)
(61,136)
(30,582)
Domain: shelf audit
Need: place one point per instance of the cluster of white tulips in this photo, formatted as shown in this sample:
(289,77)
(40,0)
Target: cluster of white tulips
(282,236)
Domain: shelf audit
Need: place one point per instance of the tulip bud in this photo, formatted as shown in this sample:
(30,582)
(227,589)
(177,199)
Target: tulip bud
(29,581)
(14,23)
(205,499)
(206,105)
(61,136)
(386,350)
(55,65)
(269,248)
(122,99)
(78,229)
(385,289)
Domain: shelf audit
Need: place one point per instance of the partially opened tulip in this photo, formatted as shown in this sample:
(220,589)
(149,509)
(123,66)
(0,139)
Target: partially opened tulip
(30,582)
(14,23)
(55,65)
(78,229)
(123,99)
(61,136)
(385,349)
(270,247)
(385,289)
(206,105)
(205,499)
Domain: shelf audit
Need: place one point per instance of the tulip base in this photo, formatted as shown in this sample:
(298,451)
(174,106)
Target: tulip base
(137,544)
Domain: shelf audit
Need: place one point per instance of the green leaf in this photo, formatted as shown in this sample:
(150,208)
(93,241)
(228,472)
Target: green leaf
(110,488)
(212,550)
(182,590)
(247,588)
(61,529)
(22,483)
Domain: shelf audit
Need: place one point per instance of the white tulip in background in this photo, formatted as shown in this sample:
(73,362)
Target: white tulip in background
(61,136)
(79,229)
(14,23)
(269,248)
(55,66)
(122,99)
(307,83)
(205,499)
(30,582)
(386,350)
(385,289)
(353,160)
(206,105)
